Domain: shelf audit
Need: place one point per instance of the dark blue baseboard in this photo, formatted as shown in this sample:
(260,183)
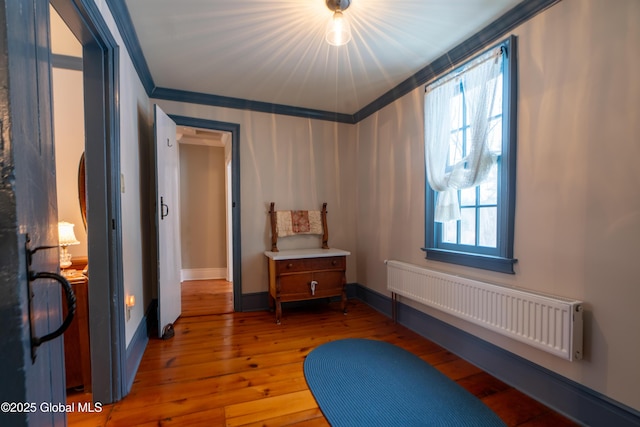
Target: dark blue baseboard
(258,301)
(137,346)
(565,396)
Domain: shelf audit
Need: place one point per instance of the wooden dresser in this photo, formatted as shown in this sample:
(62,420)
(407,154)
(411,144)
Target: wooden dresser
(77,356)
(305,274)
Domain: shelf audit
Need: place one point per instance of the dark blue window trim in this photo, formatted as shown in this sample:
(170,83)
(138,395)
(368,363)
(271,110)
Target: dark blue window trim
(485,262)
(502,259)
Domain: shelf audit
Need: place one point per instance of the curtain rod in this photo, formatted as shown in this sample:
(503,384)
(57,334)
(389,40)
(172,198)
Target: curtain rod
(469,65)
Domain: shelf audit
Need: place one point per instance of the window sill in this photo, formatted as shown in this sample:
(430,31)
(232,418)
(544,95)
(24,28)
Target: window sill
(485,262)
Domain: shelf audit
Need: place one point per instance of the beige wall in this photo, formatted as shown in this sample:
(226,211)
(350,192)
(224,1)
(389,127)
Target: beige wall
(63,42)
(577,206)
(202,207)
(298,164)
(68,106)
(136,142)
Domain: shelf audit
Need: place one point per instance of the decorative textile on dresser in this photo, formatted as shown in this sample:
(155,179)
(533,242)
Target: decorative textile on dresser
(290,223)
(299,222)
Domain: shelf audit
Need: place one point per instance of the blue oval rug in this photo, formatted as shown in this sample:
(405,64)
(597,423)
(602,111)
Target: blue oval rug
(361,382)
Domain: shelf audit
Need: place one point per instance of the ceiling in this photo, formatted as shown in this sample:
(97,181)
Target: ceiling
(197,136)
(275,52)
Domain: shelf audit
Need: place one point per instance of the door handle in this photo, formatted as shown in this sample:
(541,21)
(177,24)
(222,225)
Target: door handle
(71,306)
(69,297)
(164,209)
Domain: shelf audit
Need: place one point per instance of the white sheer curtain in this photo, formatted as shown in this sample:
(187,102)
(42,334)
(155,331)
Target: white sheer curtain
(448,168)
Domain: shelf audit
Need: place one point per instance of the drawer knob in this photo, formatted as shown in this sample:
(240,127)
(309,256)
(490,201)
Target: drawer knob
(290,265)
(334,262)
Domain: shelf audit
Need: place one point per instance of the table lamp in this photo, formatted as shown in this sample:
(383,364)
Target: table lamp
(66,237)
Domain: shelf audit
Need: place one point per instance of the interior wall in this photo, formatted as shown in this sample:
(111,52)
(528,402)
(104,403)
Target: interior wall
(202,207)
(298,164)
(69,142)
(63,42)
(137,198)
(577,204)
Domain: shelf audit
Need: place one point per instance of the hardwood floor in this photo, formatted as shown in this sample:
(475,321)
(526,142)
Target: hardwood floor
(204,297)
(241,369)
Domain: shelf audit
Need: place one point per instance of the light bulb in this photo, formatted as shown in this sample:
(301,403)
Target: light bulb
(338,31)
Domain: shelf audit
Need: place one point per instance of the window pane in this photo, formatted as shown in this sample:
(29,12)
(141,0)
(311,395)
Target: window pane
(489,188)
(467,139)
(455,110)
(450,232)
(468,197)
(497,103)
(468,226)
(495,135)
(455,147)
(488,227)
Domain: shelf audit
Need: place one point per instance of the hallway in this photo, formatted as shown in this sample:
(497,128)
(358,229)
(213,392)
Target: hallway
(204,297)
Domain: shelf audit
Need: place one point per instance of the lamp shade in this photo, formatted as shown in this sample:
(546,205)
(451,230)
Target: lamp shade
(338,30)
(66,236)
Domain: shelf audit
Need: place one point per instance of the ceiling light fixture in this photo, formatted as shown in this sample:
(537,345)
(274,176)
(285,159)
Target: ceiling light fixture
(338,30)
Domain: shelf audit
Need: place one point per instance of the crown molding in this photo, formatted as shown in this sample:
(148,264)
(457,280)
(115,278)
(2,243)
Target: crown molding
(246,104)
(498,28)
(124,23)
(489,34)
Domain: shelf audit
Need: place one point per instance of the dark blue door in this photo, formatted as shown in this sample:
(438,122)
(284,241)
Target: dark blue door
(32,385)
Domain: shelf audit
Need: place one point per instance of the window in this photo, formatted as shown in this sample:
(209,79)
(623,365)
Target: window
(470,146)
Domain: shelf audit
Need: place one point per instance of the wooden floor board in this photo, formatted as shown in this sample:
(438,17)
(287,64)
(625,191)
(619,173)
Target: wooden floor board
(241,369)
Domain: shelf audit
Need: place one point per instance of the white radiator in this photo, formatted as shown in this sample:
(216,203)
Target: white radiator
(552,324)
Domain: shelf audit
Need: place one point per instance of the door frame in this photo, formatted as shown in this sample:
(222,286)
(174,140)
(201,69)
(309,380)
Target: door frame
(234,129)
(102,154)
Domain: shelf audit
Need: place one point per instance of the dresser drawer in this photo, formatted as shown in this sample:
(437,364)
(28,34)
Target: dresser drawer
(295,287)
(310,264)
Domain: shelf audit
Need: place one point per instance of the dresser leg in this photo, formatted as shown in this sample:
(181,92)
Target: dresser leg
(344,302)
(278,312)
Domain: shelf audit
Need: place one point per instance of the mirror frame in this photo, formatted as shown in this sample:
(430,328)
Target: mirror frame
(82,190)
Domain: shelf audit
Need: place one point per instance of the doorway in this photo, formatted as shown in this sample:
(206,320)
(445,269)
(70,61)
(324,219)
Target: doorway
(69,143)
(105,300)
(232,185)
(206,229)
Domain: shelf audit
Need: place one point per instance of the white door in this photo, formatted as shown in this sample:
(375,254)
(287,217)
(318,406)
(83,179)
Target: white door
(168,223)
